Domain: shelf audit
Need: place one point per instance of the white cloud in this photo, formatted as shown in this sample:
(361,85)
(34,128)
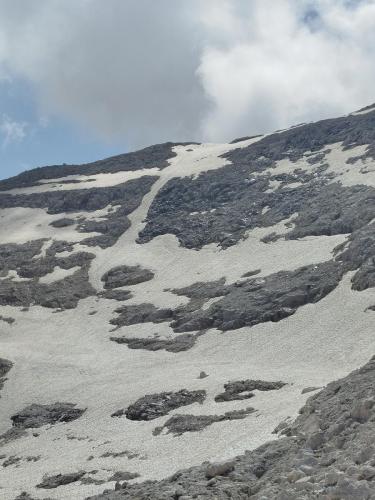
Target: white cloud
(276,70)
(123,69)
(11,131)
(146,71)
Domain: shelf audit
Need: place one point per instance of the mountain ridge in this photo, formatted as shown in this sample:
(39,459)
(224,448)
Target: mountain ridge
(189,278)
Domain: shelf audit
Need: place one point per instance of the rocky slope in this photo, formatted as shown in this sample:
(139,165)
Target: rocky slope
(173,306)
(327,453)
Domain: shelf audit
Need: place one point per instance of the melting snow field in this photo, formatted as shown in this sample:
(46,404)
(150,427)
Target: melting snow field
(67,356)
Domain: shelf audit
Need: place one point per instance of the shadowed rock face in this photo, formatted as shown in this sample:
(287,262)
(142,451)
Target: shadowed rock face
(153,406)
(37,415)
(327,453)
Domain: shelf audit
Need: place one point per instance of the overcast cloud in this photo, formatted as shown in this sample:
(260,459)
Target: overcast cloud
(148,71)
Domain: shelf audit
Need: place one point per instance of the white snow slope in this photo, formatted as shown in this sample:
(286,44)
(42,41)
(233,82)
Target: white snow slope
(67,355)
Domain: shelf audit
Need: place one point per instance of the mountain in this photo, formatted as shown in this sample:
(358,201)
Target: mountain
(173,321)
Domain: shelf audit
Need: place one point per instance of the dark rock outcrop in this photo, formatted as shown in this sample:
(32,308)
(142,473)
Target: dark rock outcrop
(63,294)
(37,415)
(119,295)
(153,406)
(242,389)
(358,255)
(272,298)
(11,435)
(123,476)
(179,424)
(5,366)
(203,290)
(25,261)
(245,303)
(7,319)
(141,313)
(25,496)
(50,482)
(125,276)
(37,268)
(13,256)
(229,201)
(182,342)
(63,222)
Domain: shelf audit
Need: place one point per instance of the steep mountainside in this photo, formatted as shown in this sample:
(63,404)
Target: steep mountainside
(174,306)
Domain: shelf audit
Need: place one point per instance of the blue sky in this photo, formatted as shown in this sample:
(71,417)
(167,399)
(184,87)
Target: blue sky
(30,139)
(81,80)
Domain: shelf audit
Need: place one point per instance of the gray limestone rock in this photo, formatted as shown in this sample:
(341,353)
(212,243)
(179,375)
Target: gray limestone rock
(270,298)
(153,406)
(126,276)
(119,295)
(63,294)
(123,476)
(179,424)
(244,303)
(140,313)
(64,222)
(219,469)
(50,482)
(242,389)
(37,415)
(274,471)
(177,344)
(5,366)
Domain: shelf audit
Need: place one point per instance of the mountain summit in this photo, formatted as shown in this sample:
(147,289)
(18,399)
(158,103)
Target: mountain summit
(166,314)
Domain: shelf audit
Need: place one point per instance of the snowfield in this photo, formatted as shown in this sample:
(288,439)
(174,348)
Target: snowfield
(66,354)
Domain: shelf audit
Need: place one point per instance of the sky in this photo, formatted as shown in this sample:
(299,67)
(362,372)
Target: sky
(81,80)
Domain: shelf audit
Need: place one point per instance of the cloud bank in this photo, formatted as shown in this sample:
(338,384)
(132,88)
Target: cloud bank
(146,71)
